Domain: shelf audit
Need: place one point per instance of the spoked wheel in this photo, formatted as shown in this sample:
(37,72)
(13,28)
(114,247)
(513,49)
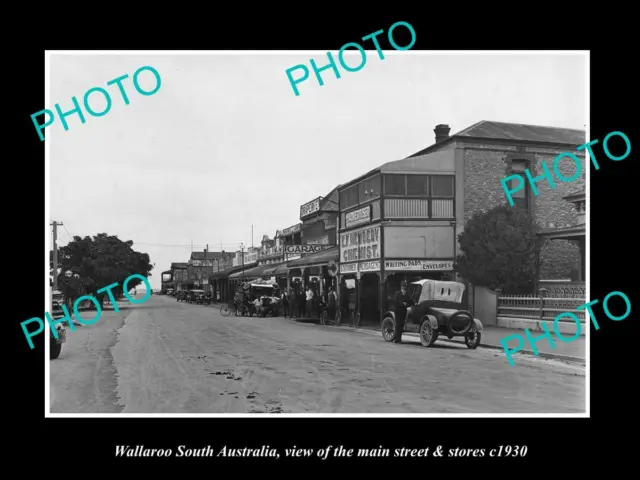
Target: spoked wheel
(472,339)
(389,329)
(225,310)
(427,334)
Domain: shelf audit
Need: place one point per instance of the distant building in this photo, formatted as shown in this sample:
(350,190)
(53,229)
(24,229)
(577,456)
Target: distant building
(179,275)
(200,269)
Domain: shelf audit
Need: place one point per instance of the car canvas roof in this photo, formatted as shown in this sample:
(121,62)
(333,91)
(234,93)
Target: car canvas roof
(440,290)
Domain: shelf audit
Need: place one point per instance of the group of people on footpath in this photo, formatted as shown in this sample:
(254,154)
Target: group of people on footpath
(307,304)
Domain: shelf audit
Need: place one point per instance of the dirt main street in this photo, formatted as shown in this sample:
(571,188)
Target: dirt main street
(165,356)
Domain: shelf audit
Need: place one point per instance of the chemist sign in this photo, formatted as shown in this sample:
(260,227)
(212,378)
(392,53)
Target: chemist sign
(359,245)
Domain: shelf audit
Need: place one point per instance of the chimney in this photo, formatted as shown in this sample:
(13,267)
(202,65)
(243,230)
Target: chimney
(442,132)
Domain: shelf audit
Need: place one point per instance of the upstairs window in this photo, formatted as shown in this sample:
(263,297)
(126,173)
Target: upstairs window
(369,189)
(442,186)
(521,198)
(418,185)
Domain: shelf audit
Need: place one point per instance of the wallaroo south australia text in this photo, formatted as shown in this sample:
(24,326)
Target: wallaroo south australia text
(547,173)
(107,101)
(363,55)
(587,306)
(66,317)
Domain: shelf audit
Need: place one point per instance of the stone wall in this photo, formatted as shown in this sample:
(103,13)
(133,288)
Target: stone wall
(486,165)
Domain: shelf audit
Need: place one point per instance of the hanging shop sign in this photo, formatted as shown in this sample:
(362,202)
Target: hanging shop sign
(332,268)
(419,265)
(288,231)
(310,208)
(358,217)
(324,240)
(360,245)
(330,223)
(346,268)
(299,249)
(365,267)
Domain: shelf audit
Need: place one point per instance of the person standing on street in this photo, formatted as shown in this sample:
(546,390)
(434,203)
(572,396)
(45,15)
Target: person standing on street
(293,302)
(285,303)
(332,300)
(401,301)
(309,305)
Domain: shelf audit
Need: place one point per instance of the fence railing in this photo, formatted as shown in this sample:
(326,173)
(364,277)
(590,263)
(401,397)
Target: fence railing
(541,306)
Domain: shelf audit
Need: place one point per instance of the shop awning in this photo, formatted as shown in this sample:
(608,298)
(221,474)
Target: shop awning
(318,259)
(254,272)
(276,269)
(230,271)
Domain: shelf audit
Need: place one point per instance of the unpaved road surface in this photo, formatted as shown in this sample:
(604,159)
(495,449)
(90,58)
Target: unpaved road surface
(168,357)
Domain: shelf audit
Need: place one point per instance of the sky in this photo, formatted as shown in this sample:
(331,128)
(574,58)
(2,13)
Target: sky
(225,144)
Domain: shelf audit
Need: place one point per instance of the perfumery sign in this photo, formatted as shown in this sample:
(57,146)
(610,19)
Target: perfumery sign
(310,208)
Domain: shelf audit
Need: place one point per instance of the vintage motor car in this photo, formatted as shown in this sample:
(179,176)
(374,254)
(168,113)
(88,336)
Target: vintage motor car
(55,345)
(181,296)
(195,296)
(436,311)
(268,295)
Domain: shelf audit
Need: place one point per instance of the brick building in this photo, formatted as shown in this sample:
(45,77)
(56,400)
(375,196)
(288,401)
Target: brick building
(488,151)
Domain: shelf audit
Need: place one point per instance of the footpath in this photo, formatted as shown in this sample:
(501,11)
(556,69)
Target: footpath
(574,352)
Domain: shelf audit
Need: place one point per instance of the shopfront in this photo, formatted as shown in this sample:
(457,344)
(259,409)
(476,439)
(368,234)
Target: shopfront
(360,272)
(396,223)
(317,269)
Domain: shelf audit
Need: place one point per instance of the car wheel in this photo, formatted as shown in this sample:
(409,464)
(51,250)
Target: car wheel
(54,350)
(472,340)
(389,329)
(455,332)
(427,335)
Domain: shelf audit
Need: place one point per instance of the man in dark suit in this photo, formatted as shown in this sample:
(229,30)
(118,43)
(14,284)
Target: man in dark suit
(401,300)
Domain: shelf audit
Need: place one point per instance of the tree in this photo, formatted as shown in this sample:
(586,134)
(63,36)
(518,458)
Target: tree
(103,260)
(499,250)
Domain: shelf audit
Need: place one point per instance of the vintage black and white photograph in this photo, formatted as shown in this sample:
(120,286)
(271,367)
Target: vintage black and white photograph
(282,234)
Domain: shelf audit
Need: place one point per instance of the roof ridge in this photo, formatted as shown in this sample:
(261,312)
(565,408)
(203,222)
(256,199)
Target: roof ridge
(528,125)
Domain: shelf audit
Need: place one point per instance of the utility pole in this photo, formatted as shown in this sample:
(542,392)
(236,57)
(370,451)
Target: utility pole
(242,255)
(55,253)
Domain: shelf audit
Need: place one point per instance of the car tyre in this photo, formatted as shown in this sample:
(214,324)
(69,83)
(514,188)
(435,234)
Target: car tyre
(389,329)
(472,340)
(458,333)
(54,351)
(427,335)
